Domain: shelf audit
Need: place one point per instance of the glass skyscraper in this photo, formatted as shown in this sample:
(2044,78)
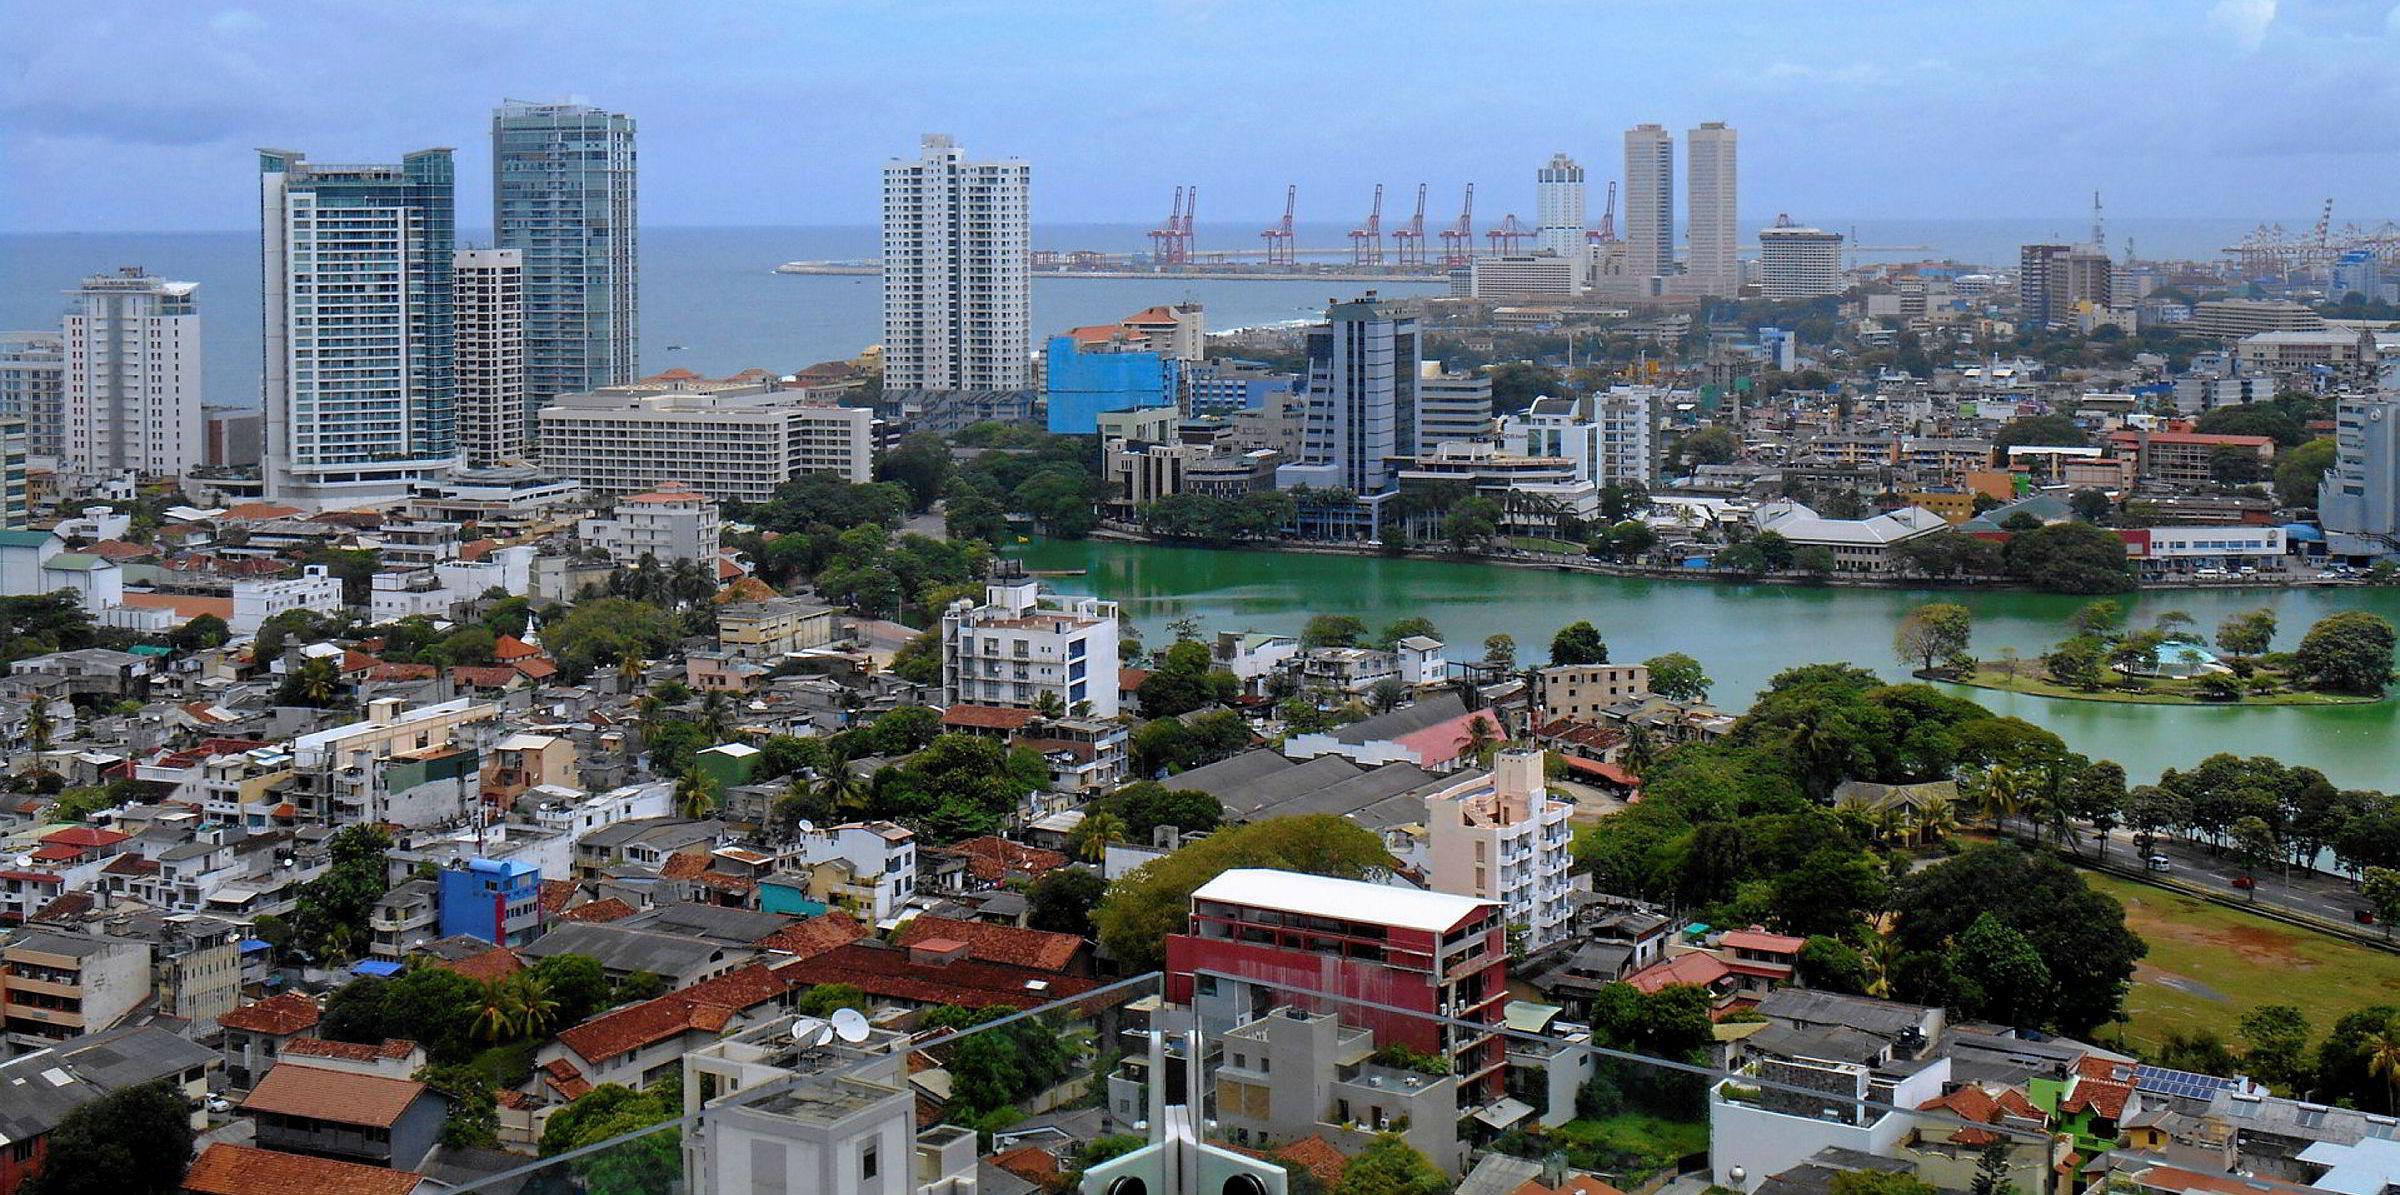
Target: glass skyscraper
(563,195)
(361,392)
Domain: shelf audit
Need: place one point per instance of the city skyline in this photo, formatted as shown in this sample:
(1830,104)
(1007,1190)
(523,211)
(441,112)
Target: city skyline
(2240,84)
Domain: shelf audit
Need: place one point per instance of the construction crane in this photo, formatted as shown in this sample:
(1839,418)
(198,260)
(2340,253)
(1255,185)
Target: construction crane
(1183,231)
(2272,251)
(1164,241)
(1458,240)
(1366,244)
(1608,219)
(1279,238)
(1504,238)
(1408,240)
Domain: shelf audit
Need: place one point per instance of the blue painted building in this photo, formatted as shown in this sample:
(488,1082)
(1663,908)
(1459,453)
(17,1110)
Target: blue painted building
(1223,387)
(1080,385)
(497,900)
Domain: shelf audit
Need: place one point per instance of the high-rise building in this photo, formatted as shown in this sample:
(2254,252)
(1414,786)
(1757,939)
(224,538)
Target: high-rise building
(360,390)
(957,287)
(2356,272)
(563,195)
(1364,362)
(1798,262)
(33,388)
(1649,230)
(132,376)
(1709,194)
(1558,207)
(2359,498)
(1024,649)
(15,502)
(2052,279)
(489,308)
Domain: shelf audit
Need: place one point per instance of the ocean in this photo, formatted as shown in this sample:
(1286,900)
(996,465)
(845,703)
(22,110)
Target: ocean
(712,303)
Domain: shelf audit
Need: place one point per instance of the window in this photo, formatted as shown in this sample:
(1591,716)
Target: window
(868,1162)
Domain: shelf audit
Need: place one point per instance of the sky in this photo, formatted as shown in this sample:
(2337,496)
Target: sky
(135,115)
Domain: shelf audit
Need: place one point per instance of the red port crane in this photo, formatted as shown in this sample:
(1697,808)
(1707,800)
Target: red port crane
(1408,241)
(1279,238)
(1366,244)
(1608,219)
(1165,241)
(1504,238)
(1458,240)
(1183,231)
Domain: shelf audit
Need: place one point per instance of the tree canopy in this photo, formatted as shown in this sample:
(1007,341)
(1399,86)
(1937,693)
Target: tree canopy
(1151,901)
(2075,933)
(136,1141)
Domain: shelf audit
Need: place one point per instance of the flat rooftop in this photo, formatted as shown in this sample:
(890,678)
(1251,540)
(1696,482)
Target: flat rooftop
(1343,900)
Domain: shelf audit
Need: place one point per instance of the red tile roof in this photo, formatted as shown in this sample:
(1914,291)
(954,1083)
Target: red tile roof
(476,549)
(84,836)
(810,938)
(991,858)
(988,717)
(2100,1097)
(1693,968)
(343,1097)
(509,647)
(1317,1156)
(181,605)
(535,668)
(683,865)
(495,963)
(1029,1162)
(281,1015)
(261,511)
(485,676)
(1038,949)
(318,1047)
(562,1077)
(555,895)
(401,672)
(968,983)
(1762,941)
(224,1169)
(706,1006)
(610,909)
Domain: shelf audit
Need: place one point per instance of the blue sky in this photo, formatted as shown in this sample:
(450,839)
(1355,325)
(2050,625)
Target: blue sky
(118,115)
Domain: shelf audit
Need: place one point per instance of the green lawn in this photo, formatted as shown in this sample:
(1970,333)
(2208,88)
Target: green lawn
(1634,1144)
(2209,964)
(2029,679)
(1535,543)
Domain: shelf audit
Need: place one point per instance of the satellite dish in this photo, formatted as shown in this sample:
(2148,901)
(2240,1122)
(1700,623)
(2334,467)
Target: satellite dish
(24,860)
(849,1024)
(807,826)
(810,1032)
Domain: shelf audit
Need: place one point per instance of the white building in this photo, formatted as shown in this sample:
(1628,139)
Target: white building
(1649,230)
(1364,363)
(1558,208)
(1610,437)
(2359,498)
(132,376)
(1452,406)
(1499,836)
(670,523)
(433,589)
(33,389)
(1709,193)
(1021,646)
(490,339)
(957,286)
(1798,262)
(1543,275)
(257,600)
(732,444)
(1857,545)
(411,767)
(882,861)
(1757,1132)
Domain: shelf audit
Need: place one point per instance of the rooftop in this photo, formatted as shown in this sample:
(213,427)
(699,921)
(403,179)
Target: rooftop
(1345,900)
(343,1097)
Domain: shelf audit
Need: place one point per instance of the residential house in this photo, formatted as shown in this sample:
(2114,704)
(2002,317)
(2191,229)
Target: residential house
(256,1034)
(346,1116)
(54,986)
(39,1089)
(226,1169)
(1438,733)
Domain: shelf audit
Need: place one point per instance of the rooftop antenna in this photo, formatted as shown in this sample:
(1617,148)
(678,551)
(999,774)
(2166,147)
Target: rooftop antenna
(808,1033)
(849,1024)
(2099,231)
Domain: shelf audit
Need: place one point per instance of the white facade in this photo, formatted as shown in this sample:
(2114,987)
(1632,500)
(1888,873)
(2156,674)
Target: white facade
(491,354)
(256,601)
(1558,208)
(881,854)
(1021,646)
(33,389)
(1364,365)
(1710,193)
(957,282)
(132,376)
(2359,498)
(1649,230)
(1797,262)
(1499,836)
(1610,437)
(732,445)
(403,593)
(1755,1134)
(668,524)
(1543,275)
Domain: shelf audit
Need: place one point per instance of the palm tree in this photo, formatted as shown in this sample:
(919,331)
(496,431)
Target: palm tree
(39,725)
(629,671)
(1882,957)
(496,1010)
(716,716)
(843,793)
(536,1009)
(1936,818)
(1890,824)
(695,793)
(1483,738)
(2383,1057)
(1093,835)
(1048,704)
(1997,792)
(1640,751)
(316,681)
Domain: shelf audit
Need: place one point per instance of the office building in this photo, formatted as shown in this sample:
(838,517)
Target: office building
(1025,649)
(1558,208)
(1260,938)
(1526,276)
(1085,379)
(131,385)
(2053,279)
(957,291)
(733,443)
(490,307)
(1499,836)
(1709,194)
(669,524)
(2232,319)
(1452,406)
(54,986)
(2357,272)
(497,900)
(563,196)
(2359,499)
(1609,438)
(1224,386)
(1798,262)
(360,392)
(1649,231)
(33,388)
(1364,363)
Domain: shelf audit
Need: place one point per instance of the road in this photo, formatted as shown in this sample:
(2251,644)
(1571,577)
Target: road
(2328,896)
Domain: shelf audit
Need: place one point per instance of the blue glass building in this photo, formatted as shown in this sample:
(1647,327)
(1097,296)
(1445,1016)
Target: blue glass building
(497,900)
(1082,386)
(563,196)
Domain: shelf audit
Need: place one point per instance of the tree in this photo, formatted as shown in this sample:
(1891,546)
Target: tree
(1391,1166)
(2068,558)
(2079,662)
(1151,901)
(1678,677)
(137,1141)
(1879,1182)
(2253,419)
(1578,642)
(1775,550)
(315,683)
(2300,471)
(641,1164)
(1406,628)
(1094,833)
(695,793)
(1062,901)
(2349,652)
(207,630)
(1991,1172)
(1500,653)
(1470,522)
(1935,631)
(2048,431)
(1712,445)
(2277,1035)
(474,1118)
(1146,805)
(2092,506)
(575,984)
(2249,633)
(605,631)
(1332,630)
(2000,976)
(2078,932)
(2381,887)
(1184,681)
(1816,560)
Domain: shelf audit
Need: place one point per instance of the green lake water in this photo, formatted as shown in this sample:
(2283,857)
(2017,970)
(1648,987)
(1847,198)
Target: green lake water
(1743,634)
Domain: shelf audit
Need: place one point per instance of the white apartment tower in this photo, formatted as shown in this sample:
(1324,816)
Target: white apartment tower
(1558,206)
(1021,647)
(1798,262)
(957,287)
(131,381)
(1500,836)
(489,285)
(1649,230)
(33,389)
(1710,199)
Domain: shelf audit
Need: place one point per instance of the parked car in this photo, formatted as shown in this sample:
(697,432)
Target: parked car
(2245,883)
(219,1104)
(2363,916)
(2157,863)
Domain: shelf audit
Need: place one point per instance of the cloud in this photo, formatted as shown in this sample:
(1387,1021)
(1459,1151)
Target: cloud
(2245,21)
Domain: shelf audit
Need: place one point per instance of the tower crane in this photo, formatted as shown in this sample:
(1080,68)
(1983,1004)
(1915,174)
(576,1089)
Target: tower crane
(1608,218)
(1164,239)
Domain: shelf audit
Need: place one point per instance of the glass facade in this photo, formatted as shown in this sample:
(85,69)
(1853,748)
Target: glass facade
(563,195)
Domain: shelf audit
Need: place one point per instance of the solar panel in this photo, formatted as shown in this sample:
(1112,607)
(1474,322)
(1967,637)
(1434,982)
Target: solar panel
(2182,1084)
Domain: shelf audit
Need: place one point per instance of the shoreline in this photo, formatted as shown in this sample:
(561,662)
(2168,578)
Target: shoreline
(2309,699)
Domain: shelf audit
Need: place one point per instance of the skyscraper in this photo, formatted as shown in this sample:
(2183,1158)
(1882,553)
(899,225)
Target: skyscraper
(33,389)
(132,379)
(563,195)
(957,291)
(1710,192)
(1798,262)
(1364,364)
(1558,205)
(2052,279)
(360,393)
(1649,203)
(490,335)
